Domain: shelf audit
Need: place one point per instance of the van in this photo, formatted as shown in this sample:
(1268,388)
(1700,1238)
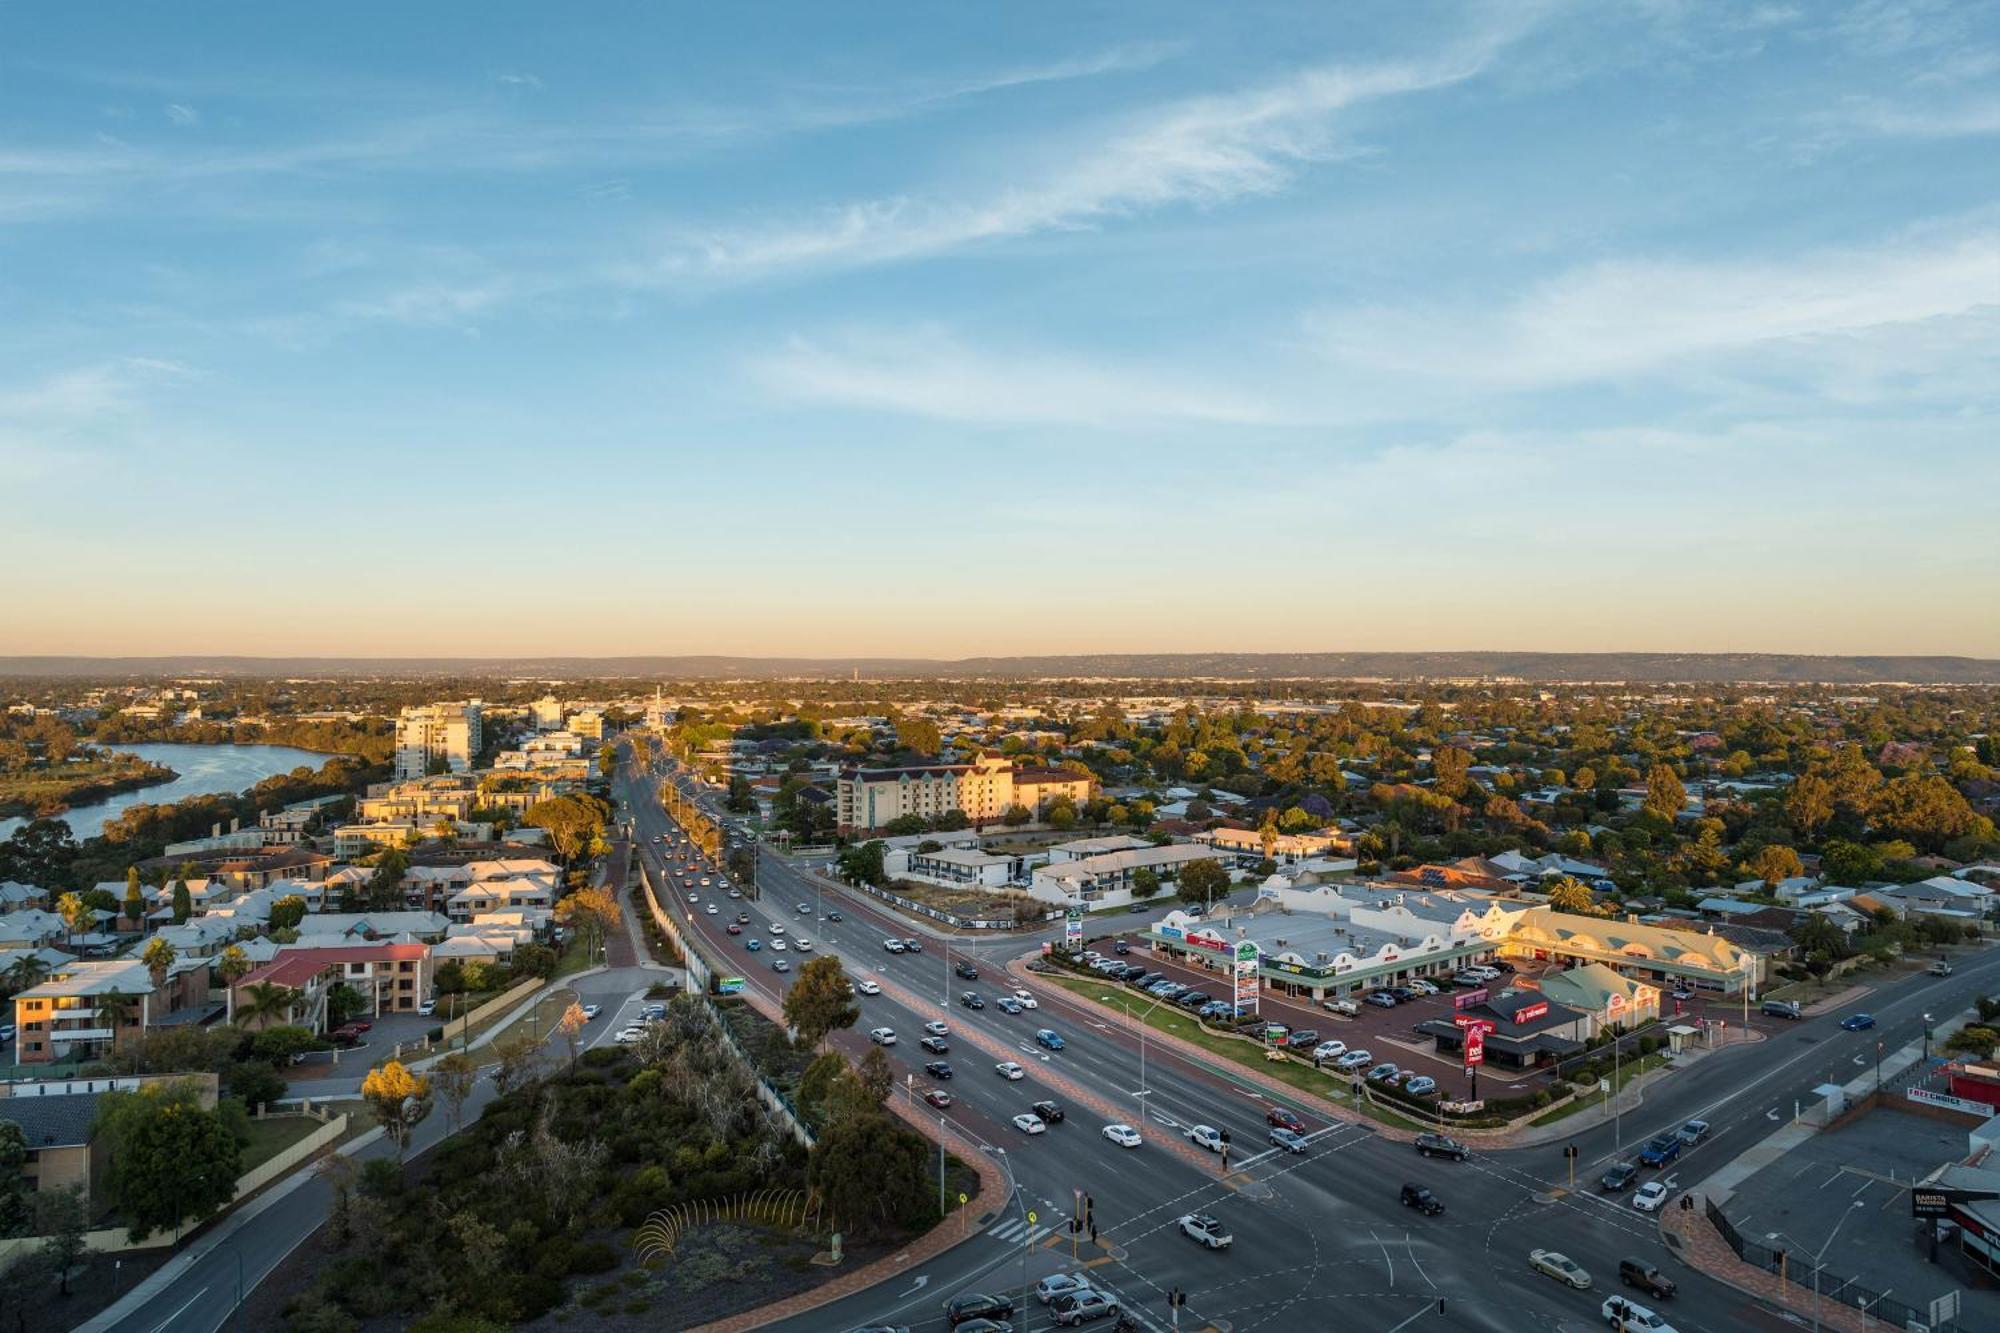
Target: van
(1783,1009)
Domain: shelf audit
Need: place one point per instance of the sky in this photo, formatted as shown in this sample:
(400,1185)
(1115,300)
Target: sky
(947,330)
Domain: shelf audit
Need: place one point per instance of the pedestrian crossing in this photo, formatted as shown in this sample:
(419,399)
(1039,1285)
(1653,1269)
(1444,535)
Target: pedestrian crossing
(1018,1231)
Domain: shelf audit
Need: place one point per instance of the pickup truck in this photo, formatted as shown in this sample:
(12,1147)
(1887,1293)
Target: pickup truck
(1201,1227)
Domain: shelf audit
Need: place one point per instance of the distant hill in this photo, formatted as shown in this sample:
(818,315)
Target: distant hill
(1647,668)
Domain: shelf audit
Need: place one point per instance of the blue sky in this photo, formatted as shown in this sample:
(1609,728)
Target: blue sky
(945,330)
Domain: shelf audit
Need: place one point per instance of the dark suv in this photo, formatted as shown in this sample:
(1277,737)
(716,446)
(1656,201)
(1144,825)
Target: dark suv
(1439,1145)
(966,970)
(1421,1199)
(1050,1113)
(1638,1273)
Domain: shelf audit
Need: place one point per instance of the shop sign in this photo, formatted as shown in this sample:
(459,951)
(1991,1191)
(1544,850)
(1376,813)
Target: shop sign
(1482,1024)
(1528,1013)
(1465,999)
(1475,1047)
(1244,995)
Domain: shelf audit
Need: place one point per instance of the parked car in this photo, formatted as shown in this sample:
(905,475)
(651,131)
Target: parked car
(1782,1009)
(1619,1177)
(1422,987)
(1632,1317)
(1207,1230)
(882,1036)
(1423,1085)
(970,999)
(1649,1197)
(1380,999)
(1049,1112)
(1439,1145)
(1287,1140)
(1383,1073)
(1193,999)
(1560,1267)
(1300,1038)
(1123,1135)
(1007,1069)
(1660,1151)
(1353,1060)
(1346,1007)
(1647,1277)
(427,1008)
(1421,1199)
(1030,1124)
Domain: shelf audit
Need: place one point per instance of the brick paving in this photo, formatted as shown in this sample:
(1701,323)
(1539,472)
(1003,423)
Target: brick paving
(1690,1234)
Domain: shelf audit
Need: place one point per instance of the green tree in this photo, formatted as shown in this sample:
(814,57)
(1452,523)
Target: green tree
(170,1162)
(264,1002)
(1569,894)
(820,1001)
(75,914)
(1061,814)
(61,1217)
(159,957)
(232,964)
(1810,803)
(1202,881)
(591,914)
(1145,882)
(288,912)
(1450,769)
(16,1198)
(919,734)
(135,898)
(877,1079)
(863,864)
(1665,796)
(871,1174)
(1774,863)
(1849,863)
(453,1079)
(183,902)
(255,1083)
(384,892)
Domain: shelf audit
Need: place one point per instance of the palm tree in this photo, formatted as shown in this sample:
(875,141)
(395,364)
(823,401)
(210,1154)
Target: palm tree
(159,959)
(26,971)
(232,964)
(265,1001)
(74,912)
(116,1010)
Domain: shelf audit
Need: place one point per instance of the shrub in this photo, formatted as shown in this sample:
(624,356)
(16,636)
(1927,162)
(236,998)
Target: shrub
(312,1312)
(593,1257)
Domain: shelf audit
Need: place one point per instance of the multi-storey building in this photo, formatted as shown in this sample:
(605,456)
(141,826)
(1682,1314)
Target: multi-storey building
(81,1009)
(448,731)
(868,798)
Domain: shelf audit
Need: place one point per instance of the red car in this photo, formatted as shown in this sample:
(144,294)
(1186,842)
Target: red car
(733,928)
(1284,1119)
(938,1097)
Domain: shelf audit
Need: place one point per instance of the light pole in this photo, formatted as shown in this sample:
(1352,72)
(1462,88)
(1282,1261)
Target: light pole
(1140,1023)
(1927,1042)
(940,1168)
(1822,1254)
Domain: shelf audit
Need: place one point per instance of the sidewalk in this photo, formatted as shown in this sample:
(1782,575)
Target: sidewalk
(1691,1236)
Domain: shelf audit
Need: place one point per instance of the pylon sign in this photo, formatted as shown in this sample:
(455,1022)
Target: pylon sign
(1245,994)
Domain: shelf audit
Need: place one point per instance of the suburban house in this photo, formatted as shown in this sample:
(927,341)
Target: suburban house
(1247,844)
(58,1119)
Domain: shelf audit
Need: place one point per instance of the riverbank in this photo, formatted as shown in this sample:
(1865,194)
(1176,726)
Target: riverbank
(44,793)
(192,772)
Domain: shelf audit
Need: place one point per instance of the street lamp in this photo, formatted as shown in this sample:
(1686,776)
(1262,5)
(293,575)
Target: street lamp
(1141,1024)
(1927,1041)
(1820,1254)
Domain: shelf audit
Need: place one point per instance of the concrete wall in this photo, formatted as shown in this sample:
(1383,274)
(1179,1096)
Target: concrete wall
(499,1005)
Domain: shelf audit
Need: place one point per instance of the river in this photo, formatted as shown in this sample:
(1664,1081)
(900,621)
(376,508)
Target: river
(203,769)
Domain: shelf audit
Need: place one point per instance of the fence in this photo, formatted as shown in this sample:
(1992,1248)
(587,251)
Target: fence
(1800,1271)
(779,1104)
(698,968)
(500,1004)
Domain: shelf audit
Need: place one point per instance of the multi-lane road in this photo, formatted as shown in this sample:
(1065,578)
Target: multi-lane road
(1319,1237)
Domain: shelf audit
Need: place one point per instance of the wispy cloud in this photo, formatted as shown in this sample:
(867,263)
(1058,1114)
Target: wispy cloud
(927,373)
(1958,120)
(64,417)
(180,113)
(519,80)
(1201,151)
(1630,318)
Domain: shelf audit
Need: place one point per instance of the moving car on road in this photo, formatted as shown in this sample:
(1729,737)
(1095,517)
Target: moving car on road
(1619,1177)
(1079,1307)
(1207,1136)
(1284,1119)
(1693,1132)
(1347,1008)
(1287,1140)
(1123,1135)
(1439,1145)
(937,1028)
(882,1036)
(970,999)
(1560,1267)
(1007,1069)
(966,970)
(937,1097)
(893,946)
(1205,1229)
(781,965)
(1421,1199)
(1060,1284)
(935,1045)
(977,1305)
(1621,1313)
(591,1011)
(1660,1151)
(867,987)
(1858,1022)
(1649,1197)
(1646,1277)
(1026,999)
(938,1069)
(1008,1004)
(1030,1124)
(1050,1113)
(1048,1039)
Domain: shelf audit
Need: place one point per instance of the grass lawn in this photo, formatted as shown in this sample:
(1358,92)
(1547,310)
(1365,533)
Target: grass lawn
(1627,1071)
(575,957)
(272,1135)
(1166,1018)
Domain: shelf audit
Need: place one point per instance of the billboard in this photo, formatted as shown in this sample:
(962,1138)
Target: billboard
(729,985)
(1475,1046)
(1073,929)
(1244,995)
(1465,999)
(1528,1013)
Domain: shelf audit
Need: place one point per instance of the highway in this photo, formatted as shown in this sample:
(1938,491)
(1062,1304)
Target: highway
(1315,1234)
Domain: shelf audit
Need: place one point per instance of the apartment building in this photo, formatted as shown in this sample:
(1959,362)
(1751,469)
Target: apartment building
(393,978)
(68,1015)
(1106,880)
(868,798)
(431,732)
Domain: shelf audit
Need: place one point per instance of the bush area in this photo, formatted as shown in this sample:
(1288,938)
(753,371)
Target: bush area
(509,1219)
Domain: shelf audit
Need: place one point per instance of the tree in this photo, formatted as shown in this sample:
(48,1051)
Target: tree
(135,898)
(516,1055)
(342,1003)
(1774,863)
(1450,767)
(60,1215)
(591,913)
(1569,894)
(919,734)
(1201,881)
(159,957)
(277,1045)
(16,1198)
(1145,882)
(118,1010)
(1927,811)
(25,971)
(75,914)
(575,824)
(169,1160)
(1267,832)
(395,1097)
(820,1001)
(1665,796)
(1016,815)
(1810,803)
(264,1002)
(878,1080)
(863,864)
(871,1173)
(384,890)
(183,901)
(453,1079)
(288,912)
(1061,814)
(232,964)
(571,1025)
(1849,863)
(255,1083)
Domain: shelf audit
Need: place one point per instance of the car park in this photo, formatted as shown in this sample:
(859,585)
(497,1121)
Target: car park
(1647,1277)
(1288,1140)
(1631,1317)
(1649,1196)
(882,1036)
(1561,1267)
(1857,1022)
(970,999)
(938,1069)
(1123,1135)
(1049,1039)
(1207,1136)
(1660,1151)
(1205,1230)
(1007,1069)
(1439,1145)
(867,987)
(1423,1085)
(1347,1008)
(1008,1004)
(1420,1198)
(935,1045)
(1693,1132)
(1353,1060)
(1027,999)
(1080,1307)
(1030,1124)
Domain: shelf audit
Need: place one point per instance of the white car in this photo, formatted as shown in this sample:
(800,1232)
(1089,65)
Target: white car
(591,1011)
(893,946)
(629,1035)
(777,946)
(711,909)
(1206,1136)
(777,928)
(427,1008)
(1649,1196)
(1059,1284)
(1026,999)
(882,1036)
(1632,1315)
(937,1028)
(867,987)
(1123,1135)
(1030,1124)
(1329,1050)
(1007,1069)
(802,944)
